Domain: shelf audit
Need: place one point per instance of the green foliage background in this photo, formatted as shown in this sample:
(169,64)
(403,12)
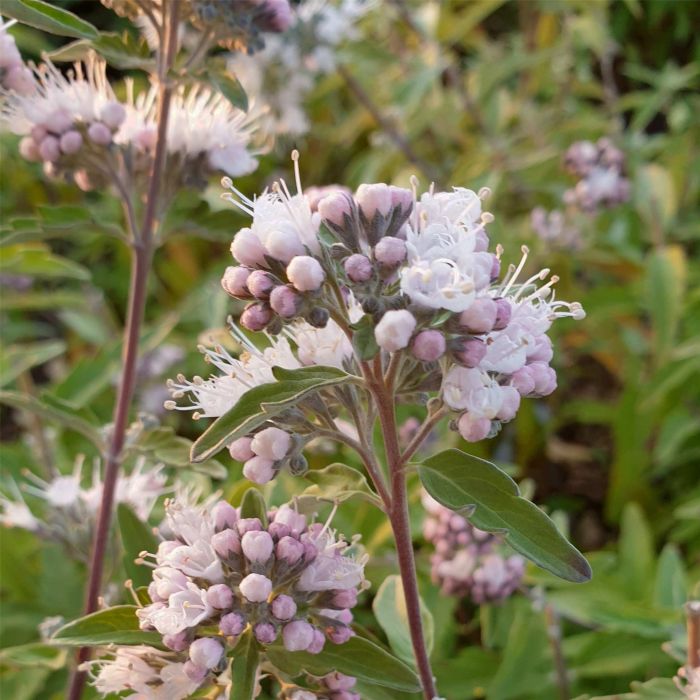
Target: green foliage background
(485,93)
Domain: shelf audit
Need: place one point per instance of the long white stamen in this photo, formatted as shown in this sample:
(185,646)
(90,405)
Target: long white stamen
(526,251)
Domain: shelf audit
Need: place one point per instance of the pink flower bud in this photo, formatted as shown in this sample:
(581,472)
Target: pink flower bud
(358,268)
(373,199)
(256,588)
(259,470)
(206,652)
(394,331)
(523,381)
(176,642)
(296,522)
(260,284)
(272,443)
(317,643)
(220,596)
(71,142)
(226,543)
(278,15)
(29,150)
(470,352)
(542,350)
(235,281)
(401,197)
(59,121)
(100,134)
(344,616)
(278,531)
(265,633)
(231,624)
(503,314)
(240,449)
(283,244)
(345,695)
(247,249)
(345,598)
(289,550)
(20,79)
(255,316)
(473,429)
(284,607)
(545,378)
(297,635)
(339,681)
(195,673)
(480,317)
(49,149)
(224,515)
(429,345)
(510,403)
(390,252)
(257,546)
(335,207)
(285,301)
(340,635)
(113,114)
(305,273)
(248,525)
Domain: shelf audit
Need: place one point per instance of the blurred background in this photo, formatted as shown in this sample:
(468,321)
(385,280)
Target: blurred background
(582,118)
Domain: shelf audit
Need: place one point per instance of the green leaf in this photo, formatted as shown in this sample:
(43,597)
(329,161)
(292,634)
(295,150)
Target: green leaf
(39,261)
(671,585)
(460,481)
(34,654)
(244,668)
(16,359)
(53,412)
(636,548)
(389,607)
(261,403)
(119,50)
(136,538)
(118,625)
(363,341)
(338,483)
(228,86)
(357,657)
(48,18)
(253,505)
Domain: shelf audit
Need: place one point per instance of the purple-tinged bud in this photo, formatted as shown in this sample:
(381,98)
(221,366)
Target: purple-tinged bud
(340,634)
(290,517)
(256,588)
(226,543)
(395,329)
(29,150)
(195,673)
(276,15)
(495,269)
(305,273)
(284,607)
(289,550)
(503,314)
(429,345)
(231,624)
(100,134)
(176,642)
(470,352)
(206,652)
(545,378)
(265,633)
(49,149)
(259,470)
(240,449)
(248,525)
(297,635)
(38,133)
(523,381)
(358,268)
(260,284)
(257,546)
(285,301)
(339,681)
(113,114)
(542,351)
(481,242)
(510,403)
(335,207)
(473,429)
(373,199)
(255,316)
(345,598)
(224,516)
(20,79)
(401,197)
(480,317)
(59,121)
(71,142)
(220,596)
(235,281)
(345,695)
(272,443)
(344,616)
(317,643)
(390,252)
(310,551)
(247,249)
(278,531)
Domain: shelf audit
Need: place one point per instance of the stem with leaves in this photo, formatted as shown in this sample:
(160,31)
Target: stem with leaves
(142,253)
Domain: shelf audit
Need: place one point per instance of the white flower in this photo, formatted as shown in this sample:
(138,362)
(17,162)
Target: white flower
(472,390)
(197,560)
(17,514)
(186,608)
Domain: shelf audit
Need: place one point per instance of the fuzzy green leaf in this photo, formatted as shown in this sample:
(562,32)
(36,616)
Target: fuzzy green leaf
(136,538)
(48,18)
(244,667)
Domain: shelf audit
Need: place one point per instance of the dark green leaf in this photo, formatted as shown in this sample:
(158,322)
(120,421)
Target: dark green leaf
(460,481)
(118,625)
(253,505)
(119,50)
(229,87)
(48,18)
(261,403)
(338,482)
(363,340)
(244,668)
(136,537)
(19,358)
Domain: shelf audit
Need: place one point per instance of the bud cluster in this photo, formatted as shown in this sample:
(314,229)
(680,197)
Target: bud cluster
(14,75)
(220,575)
(469,562)
(334,686)
(266,452)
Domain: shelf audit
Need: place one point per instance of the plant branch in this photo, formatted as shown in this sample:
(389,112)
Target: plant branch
(423,432)
(692,611)
(554,635)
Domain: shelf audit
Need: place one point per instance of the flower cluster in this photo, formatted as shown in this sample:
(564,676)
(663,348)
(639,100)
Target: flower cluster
(334,686)
(71,507)
(220,575)
(14,75)
(468,562)
(284,72)
(556,228)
